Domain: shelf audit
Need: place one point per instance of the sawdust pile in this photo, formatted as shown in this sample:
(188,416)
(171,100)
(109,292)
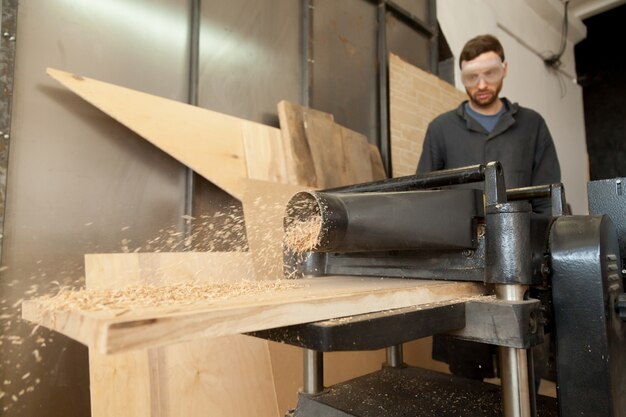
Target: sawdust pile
(142,296)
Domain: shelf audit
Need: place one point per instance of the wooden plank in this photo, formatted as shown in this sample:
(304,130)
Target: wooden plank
(208,142)
(191,378)
(110,331)
(265,157)
(115,388)
(166,267)
(226,376)
(378,169)
(324,139)
(300,167)
(357,164)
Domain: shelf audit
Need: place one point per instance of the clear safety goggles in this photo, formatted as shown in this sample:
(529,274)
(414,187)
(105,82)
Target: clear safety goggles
(490,71)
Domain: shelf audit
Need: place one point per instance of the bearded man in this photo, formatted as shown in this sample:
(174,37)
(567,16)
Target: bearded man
(482,129)
(488,128)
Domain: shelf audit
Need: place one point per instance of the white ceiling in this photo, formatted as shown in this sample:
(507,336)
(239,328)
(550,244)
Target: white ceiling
(587,8)
(552,12)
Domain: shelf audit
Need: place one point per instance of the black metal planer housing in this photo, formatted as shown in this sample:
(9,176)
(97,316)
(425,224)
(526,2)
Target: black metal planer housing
(557,281)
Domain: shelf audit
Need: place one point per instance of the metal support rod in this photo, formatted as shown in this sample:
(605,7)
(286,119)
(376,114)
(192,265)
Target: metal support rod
(313,371)
(306,51)
(384,143)
(394,356)
(194,59)
(8,44)
(514,365)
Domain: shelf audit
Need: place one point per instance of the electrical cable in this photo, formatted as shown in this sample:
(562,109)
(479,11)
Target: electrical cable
(554,60)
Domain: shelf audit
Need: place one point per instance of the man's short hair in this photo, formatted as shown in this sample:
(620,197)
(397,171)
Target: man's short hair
(479,45)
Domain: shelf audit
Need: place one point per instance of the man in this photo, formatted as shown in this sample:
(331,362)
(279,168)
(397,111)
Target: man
(488,128)
(482,129)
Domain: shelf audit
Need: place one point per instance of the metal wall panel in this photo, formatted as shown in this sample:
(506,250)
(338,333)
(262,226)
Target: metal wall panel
(249,57)
(418,8)
(345,72)
(406,42)
(79,182)
(249,60)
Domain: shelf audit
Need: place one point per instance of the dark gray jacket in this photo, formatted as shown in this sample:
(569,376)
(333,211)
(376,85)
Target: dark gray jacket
(521,142)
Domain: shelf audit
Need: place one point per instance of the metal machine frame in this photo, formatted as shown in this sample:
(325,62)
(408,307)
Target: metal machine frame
(572,264)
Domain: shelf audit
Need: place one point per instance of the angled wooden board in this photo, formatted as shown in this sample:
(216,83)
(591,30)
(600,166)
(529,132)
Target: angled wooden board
(210,143)
(265,156)
(109,331)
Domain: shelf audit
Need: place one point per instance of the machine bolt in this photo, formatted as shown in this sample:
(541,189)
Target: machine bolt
(620,306)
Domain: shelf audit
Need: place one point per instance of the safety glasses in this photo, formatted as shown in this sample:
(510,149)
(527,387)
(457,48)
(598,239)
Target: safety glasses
(490,71)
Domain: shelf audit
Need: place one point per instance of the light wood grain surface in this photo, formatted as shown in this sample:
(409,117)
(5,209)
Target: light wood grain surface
(210,143)
(109,331)
(298,157)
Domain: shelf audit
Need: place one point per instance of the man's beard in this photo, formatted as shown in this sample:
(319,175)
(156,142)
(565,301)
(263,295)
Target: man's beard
(485,101)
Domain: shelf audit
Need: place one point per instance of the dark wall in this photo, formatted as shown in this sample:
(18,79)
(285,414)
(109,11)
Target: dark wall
(601,68)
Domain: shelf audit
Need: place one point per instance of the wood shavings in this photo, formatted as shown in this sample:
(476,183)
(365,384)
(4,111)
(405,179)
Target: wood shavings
(303,224)
(303,235)
(134,297)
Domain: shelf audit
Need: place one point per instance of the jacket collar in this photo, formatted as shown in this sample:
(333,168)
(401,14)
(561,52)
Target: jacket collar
(506,120)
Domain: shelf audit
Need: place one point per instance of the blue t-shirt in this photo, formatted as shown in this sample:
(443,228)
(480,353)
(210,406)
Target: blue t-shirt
(487,121)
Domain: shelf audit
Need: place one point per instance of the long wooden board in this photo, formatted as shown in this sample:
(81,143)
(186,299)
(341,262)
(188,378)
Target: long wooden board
(219,147)
(318,299)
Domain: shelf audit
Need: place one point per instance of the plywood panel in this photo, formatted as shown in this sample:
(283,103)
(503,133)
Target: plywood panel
(115,386)
(195,378)
(416,97)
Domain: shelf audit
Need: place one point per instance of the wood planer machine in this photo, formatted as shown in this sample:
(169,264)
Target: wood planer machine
(557,310)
